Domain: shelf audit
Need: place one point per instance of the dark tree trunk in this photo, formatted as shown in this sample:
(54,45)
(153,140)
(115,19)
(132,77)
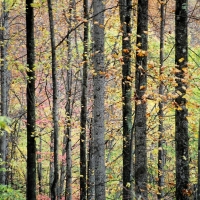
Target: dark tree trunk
(68,147)
(140,101)
(39,166)
(54,186)
(91,165)
(4,88)
(161,152)
(99,90)
(125,19)
(68,191)
(181,113)
(31,142)
(83,158)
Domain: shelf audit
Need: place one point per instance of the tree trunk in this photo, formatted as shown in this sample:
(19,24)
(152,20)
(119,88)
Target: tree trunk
(68,192)
(68,147)
(39,166)
(140,101)
(54,185)
(4,89)
(181,113)
(99,88)
(31,142)
(125,19)
(83,158)
(91,165)
(161,152)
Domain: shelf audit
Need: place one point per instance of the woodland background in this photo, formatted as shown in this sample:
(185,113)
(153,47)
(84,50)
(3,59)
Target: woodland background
(73,83)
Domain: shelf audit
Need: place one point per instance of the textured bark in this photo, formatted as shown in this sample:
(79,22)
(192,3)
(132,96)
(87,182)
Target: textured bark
(181,113)
(83,158)
(161,152)
(4,88)
(99,88)
(54,185)
(39,167)
(91,165)
(140,104)
(68,191)
(62,169)
(125,19)
(31,142)
(51,167)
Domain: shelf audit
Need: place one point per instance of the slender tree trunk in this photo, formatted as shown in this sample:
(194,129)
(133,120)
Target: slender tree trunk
(51,168)
(63,167)
(54,186)
(68,191)
(99,88)
(83,158)
(31,142)
(181,113)
(140,102)
(68,147)
(39,166)
(4,89)
(125,19)
(91,165)
(161,153)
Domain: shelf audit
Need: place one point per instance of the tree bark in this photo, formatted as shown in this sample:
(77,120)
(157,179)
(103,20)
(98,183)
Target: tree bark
(181,113)
(91,165)
(68,147)
(125,19)
(4,88)
(99,90)
(31,142)
(140,101)
(161,142)
(68,191)
(39,166)
(83,157)
(54,185)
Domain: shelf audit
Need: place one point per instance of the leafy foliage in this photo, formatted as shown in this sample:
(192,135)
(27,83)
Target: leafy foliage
(8,193)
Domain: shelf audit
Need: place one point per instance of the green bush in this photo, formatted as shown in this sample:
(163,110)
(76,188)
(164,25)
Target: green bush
(7,193)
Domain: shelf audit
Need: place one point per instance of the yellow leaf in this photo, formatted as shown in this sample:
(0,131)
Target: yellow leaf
(96,22)
(114,55)
(101,26)
(184,158)
(126,38)
(7,129)
(142,87)
(35,5)
(125,50)
(102,73)
(181,60)
(179,108)
(128,78)
(128,184)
